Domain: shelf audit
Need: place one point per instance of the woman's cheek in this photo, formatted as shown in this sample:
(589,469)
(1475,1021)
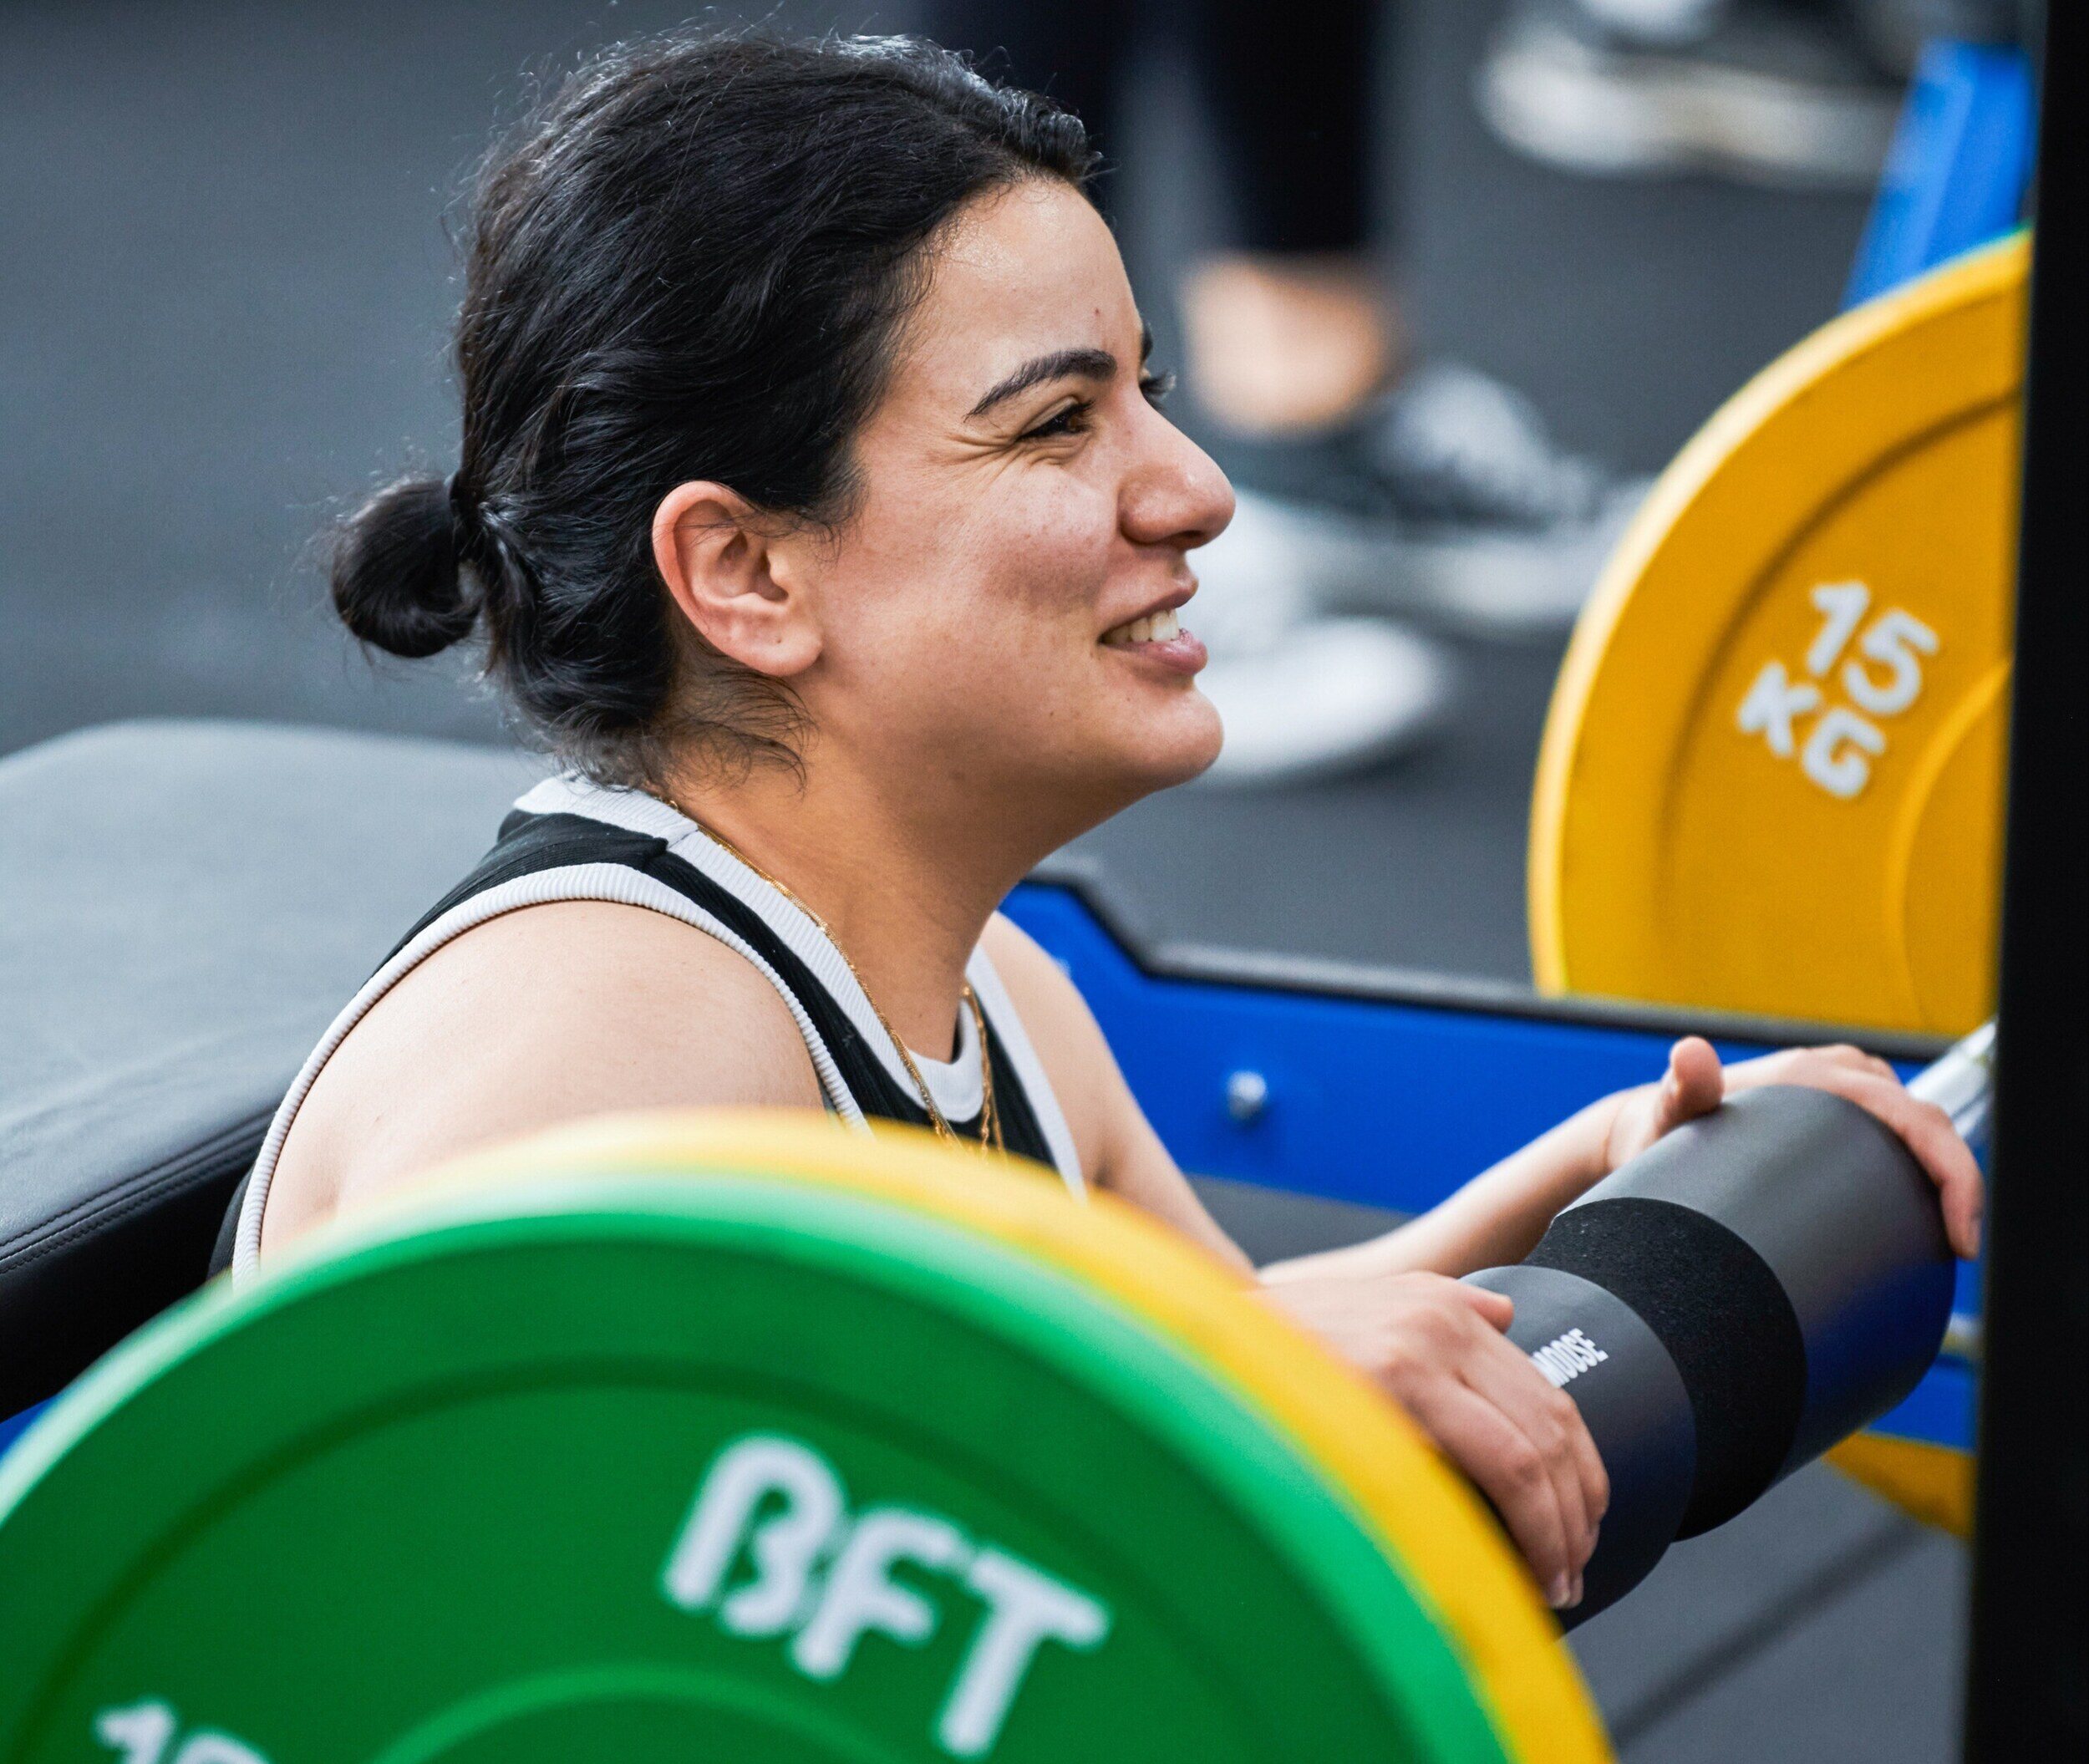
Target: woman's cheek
(1069,549)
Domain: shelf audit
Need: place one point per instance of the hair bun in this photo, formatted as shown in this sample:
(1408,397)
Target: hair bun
(394,572)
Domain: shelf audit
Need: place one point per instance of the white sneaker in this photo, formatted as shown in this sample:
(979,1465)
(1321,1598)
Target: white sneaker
(1302,696)
(1331,695)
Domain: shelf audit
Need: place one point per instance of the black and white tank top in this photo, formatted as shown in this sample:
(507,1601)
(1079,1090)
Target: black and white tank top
(569,839)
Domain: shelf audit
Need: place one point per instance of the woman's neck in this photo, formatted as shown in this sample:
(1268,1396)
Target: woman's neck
(904,889)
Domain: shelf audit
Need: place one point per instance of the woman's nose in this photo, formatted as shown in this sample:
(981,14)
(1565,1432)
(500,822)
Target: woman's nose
(1174,494)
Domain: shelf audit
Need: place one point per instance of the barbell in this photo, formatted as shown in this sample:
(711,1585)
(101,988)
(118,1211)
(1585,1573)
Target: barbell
(1748,1293)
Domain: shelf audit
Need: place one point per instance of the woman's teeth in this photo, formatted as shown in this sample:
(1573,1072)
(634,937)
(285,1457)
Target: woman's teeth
(1158,628)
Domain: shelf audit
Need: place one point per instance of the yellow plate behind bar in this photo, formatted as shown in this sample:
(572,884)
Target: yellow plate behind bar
(1771,779)
(1932,1483)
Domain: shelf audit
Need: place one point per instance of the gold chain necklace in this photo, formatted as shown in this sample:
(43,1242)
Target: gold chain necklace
(990,1136)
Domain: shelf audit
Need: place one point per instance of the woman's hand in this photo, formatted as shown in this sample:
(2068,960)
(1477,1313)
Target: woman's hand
(1697,1083)
(1438,1348)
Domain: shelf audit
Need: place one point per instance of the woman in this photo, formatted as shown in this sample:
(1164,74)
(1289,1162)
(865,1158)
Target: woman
(816,507)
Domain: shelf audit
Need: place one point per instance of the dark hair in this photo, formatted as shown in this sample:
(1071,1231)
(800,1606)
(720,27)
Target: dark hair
(690,262)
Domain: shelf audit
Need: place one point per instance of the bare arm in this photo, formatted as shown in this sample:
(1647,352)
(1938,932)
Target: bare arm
(545,1015)
(1497,1217)
(1389,1307)
(1433,1346)
(1119,1149)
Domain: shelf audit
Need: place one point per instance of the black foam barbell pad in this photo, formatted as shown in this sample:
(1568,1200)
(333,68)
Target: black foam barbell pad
(1728,1329)
(1845,1221)
(1629,1393)
(1765,1281)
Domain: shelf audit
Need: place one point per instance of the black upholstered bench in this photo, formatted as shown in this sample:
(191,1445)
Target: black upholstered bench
(183,906)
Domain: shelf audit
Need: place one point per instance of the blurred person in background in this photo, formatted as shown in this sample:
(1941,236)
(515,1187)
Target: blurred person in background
(1789,91)
(1370,479)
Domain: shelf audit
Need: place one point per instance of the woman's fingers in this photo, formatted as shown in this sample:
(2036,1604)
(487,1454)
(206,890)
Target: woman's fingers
(1693,1085)
(1924,1128)
(1789,1065)
(1495,1309)
(1872,1084)
(1857,1059)
(1504,1376)
(1506,1468)
(1696,1082)
(1546,1438)
(1927,1132)
(1589,1463)
(1436,1346)
(1581,1456)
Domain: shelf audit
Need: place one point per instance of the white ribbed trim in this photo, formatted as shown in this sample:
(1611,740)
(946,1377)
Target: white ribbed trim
(618,883)
(955,1083)
(1000,1010)
(637,812)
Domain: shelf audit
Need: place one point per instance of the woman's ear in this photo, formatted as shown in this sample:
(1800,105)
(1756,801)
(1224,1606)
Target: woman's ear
(720,560)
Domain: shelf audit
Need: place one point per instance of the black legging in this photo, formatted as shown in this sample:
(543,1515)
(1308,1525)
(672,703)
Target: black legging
(1289,88)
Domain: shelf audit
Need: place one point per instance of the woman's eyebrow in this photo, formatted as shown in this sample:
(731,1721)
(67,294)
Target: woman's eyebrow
(1098,364)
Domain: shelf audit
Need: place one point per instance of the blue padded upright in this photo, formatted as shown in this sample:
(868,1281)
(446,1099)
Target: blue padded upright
(1960,163)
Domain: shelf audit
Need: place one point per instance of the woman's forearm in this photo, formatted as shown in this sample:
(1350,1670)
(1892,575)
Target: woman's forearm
(1496,1218)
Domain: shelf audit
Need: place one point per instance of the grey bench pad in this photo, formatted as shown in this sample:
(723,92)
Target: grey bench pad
(184,907)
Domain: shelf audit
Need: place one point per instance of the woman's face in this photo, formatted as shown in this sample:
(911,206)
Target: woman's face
(1024,510)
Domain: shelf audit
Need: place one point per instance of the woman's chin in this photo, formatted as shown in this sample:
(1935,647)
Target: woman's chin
(1177,746)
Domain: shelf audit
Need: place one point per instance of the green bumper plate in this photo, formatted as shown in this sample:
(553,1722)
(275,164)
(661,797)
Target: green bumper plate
(737,1470)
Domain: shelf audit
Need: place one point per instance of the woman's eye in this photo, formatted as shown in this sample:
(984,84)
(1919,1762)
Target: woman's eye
(1074,418)
(1071,421)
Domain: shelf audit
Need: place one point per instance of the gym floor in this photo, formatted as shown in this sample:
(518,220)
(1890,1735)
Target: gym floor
(228,309)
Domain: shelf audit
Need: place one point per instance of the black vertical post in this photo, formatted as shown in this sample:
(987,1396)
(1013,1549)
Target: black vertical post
(2027,1693)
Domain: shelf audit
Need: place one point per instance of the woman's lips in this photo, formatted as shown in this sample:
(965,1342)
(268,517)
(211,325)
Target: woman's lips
(1160,639)
(1184,653)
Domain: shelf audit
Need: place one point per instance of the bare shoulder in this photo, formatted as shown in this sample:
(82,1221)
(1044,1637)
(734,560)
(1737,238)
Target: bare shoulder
(1119,1149)
(542,1015)
(1031,976)
(622,995)
(1044,993)
(1069,1042)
